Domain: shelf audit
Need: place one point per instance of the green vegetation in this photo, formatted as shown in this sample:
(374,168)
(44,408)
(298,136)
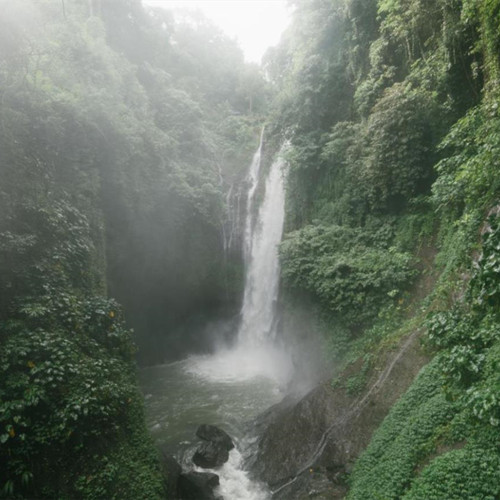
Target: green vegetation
(441,439)
(392,112)
(402,440)
(71,422)
(121,133)
(352,273)
(116,157)
(109,113)
(368,102)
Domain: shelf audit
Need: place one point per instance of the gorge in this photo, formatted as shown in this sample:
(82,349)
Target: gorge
(237,382)
(304,253)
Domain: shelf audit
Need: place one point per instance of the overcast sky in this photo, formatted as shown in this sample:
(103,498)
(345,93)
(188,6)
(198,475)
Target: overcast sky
(256,24)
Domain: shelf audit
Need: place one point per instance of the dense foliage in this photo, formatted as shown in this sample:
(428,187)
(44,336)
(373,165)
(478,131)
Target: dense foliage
(110,111)
(441,439)
(352,273)
(366,101)
(70,413)
(120,132)
(385,107)
(391,108)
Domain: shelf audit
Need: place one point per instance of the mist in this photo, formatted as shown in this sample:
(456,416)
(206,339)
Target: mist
(223,279)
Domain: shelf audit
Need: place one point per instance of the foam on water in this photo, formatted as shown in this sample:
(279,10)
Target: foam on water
(235,483)
(241,364)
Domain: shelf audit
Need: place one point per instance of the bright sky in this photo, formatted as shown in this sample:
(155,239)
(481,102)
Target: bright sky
(256,24)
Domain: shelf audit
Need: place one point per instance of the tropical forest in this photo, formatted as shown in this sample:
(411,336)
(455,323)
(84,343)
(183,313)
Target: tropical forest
(230,280)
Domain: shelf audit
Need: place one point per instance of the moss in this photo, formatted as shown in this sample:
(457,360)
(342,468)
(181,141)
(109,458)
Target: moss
(407,433)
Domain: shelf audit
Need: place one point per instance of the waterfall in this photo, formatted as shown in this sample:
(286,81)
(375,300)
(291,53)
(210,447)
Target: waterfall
(255,352)
(237,236)
(235,379)
(262,237)
(252,181)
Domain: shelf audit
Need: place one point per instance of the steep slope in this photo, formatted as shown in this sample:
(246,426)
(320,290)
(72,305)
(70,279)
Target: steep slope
(391,108)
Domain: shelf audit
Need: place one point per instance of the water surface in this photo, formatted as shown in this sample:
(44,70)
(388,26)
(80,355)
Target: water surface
(233,386)
(226,390)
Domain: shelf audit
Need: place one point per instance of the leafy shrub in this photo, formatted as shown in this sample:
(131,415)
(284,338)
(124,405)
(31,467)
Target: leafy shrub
(485,284)
(68,397)
(345,269)
(467,336)
(482,398)
(468,173)
(403,439)
(355,384)
(454,402)
(471,472)
(400,137)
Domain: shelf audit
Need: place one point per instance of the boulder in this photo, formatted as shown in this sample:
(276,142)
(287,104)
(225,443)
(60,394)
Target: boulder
(213,434)
(171,472)
(308,446)
(198,486)
(210,455)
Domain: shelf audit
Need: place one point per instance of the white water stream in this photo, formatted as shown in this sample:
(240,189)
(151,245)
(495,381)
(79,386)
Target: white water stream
(235,384)
(258,325)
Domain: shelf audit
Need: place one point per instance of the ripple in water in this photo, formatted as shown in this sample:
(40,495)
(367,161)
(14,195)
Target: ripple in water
(227,390)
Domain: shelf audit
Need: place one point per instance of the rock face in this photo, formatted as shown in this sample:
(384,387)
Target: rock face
(198,486)
(210,455)
(171,472)
(311,445)
(292,433)
(215,435)
(215,451)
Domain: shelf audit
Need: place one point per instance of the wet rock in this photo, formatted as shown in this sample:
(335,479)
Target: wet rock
(215,435)
(210,455)
(292,434)
(171,472)
(318,483)
(329,426)
(198,486)
(215,450)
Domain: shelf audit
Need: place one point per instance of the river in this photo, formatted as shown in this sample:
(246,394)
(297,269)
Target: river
(226,390)
(232,386)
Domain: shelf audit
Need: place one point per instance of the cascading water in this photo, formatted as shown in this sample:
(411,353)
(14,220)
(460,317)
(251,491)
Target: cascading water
(255,352)
(262,262)
(253,181)
(234,384)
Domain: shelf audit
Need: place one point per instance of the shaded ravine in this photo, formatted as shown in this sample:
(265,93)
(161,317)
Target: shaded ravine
(237,382)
